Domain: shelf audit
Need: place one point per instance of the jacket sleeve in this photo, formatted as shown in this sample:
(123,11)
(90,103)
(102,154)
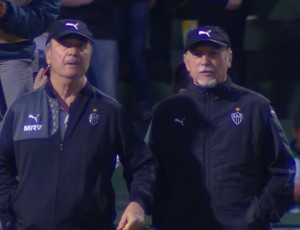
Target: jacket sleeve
(277,194)
(30,21)
(138,162)
(8,181)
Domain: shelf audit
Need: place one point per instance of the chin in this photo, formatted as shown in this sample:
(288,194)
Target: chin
(207,84)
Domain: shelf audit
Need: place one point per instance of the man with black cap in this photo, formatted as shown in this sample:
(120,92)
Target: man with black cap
(223,159)
(59,143)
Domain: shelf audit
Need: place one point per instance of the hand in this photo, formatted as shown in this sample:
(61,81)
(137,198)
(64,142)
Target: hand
(40,78)
(233,4)
(133,218)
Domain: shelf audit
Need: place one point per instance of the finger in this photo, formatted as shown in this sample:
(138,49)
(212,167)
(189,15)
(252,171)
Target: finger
(122,223)
(40,78)
(40,73)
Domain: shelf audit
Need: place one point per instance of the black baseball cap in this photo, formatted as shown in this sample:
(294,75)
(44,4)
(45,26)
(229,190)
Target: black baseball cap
(211,35)
(68,27)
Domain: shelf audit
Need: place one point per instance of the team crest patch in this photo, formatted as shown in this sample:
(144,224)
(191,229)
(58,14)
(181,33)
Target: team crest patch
(94,119)
(237,117)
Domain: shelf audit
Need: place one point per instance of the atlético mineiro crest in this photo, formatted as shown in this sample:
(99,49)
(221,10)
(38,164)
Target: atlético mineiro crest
(237,116)
(94,118)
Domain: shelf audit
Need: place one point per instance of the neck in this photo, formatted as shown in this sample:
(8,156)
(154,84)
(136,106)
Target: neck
(66,90)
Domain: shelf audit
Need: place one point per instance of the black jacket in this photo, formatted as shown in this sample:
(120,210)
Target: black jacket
(66,183)
(223,161)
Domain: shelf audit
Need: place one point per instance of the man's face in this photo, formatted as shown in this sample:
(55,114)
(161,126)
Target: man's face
(69,57)
(208,65)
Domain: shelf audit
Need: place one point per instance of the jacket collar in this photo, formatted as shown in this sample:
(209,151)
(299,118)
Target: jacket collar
(86,90)
(217,90)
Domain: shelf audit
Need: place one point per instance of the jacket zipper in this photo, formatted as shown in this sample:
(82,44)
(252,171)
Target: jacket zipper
(207,144)
(61,148)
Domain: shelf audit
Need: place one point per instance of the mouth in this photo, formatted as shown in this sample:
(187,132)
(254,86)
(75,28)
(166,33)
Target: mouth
(71,63)
(206,70)
(208,73)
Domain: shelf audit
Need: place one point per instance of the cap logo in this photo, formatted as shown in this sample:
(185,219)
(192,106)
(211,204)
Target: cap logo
(73,25)
(204,32)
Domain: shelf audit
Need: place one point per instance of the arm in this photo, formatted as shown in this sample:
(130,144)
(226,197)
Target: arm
(8,182)
(277,194)
(29,21)
(162,191)
(139,173)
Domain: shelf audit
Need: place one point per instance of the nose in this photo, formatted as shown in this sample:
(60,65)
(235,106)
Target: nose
(205,60)
(73,50)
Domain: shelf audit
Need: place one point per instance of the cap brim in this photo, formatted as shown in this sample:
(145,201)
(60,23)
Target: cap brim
(208,42)
(64,34)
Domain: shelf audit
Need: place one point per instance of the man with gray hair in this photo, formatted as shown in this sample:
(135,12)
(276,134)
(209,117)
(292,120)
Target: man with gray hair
(223,159)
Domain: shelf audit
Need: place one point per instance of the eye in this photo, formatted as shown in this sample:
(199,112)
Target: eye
(197,53)
(214,53)
(66,44)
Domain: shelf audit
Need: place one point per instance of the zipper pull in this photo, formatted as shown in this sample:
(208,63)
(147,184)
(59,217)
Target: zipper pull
(61,146)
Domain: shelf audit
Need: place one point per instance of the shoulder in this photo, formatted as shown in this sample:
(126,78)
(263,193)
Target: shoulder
(103,97)
(174,101)
(107,103)
(24,110)
(174,106)
(257,104)
(248,95)
(29,98)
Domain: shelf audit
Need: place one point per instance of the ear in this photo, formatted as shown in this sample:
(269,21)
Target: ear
(185,60)
(47,56)
(229,58)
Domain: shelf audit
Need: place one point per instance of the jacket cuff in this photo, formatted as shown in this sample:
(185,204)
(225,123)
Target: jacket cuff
(142,200)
